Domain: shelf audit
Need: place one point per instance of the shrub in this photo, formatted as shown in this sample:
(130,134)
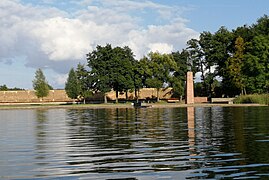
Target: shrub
(253,98)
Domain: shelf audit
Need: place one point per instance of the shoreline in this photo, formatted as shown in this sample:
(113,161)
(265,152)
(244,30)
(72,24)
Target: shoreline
(9,106)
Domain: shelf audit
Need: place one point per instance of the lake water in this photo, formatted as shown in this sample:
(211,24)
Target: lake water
(145,143)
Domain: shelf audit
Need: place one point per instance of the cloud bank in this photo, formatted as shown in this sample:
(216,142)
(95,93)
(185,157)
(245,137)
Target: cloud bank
(58,35)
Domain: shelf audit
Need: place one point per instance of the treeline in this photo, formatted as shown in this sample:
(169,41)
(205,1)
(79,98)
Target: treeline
(230,63)
(238,58)
(116,68)
(5,88)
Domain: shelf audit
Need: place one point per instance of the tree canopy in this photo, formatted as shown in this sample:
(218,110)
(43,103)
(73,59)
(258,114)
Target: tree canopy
(239,58)
(40,84)
(72,85)
(229,63)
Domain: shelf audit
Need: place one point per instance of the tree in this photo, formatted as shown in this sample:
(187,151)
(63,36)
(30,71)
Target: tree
(111,68)
(235,64)
(3,88)
(256,66)
(137,76)
(98,62)
(121,70)
(85,81)
(161,68)
(177,82)
(40,85)
(72,85)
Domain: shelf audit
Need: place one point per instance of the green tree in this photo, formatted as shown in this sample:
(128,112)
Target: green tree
(222,46)
(256,66)
(261,27)
(217,56)
(121,70)
(137,76)
(179,77)
(85,81)
(111,68)
(40,84)
(72,85)
(3,88)
(100,68)
(161,68)
(201,56)
(235,64)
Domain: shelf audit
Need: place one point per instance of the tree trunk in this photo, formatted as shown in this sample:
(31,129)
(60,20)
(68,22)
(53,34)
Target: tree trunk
(41,100)
(126,95)
(203,78)
(117,97)
(105,99)
(158,98)
(136,94)
(244,91)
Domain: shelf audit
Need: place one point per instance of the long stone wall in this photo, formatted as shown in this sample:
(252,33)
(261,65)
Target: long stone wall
(28,96)
(145,93)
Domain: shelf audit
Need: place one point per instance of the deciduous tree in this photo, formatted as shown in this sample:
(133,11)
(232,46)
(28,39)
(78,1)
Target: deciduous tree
(40,84)
(235,64)
(161,68)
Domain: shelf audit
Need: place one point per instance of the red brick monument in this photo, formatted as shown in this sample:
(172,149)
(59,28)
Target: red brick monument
(189,88)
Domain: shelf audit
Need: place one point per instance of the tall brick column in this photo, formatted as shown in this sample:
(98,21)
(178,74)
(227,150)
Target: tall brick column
(189,88)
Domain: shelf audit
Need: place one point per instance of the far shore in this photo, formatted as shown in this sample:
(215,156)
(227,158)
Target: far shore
(63,105)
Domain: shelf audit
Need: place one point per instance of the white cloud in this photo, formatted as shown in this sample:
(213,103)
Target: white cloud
(55,39)
(63,39)
(60,79)
(161,47)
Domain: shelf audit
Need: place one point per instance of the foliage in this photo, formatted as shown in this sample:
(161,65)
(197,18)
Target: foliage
(98,62)
(50,87)
(40,84)
(160,70)
(72,85)
(177,82)
(111,68)
(240,59)
(85,82)
(254,98)
(120,70)
(230,63)
(138,76)
(3,88)
(235,63)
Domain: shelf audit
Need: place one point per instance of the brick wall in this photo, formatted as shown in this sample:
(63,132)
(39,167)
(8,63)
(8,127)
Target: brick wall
(144,93)
(200,100)
(28,96)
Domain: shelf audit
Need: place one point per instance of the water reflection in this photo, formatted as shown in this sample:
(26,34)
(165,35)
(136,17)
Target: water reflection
(191,126)
(165,143)
(41,123)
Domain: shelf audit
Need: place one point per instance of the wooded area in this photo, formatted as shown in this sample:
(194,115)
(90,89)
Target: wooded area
(230,63)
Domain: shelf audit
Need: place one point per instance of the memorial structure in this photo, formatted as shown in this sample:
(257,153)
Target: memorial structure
(189,85)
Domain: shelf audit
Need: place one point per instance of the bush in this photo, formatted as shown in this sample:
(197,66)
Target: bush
(253,98)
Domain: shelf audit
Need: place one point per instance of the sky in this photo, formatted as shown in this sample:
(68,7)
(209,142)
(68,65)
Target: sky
(55,35)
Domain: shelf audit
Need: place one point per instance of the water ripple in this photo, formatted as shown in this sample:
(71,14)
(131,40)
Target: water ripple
(211,143)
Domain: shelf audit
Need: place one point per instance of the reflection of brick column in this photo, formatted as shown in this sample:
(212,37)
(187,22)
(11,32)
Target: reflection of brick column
(191,126)
(189,89)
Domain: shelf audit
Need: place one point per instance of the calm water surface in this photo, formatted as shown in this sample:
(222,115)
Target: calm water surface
(168,143)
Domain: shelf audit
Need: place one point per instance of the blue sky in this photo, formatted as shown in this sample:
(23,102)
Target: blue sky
(55,35)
